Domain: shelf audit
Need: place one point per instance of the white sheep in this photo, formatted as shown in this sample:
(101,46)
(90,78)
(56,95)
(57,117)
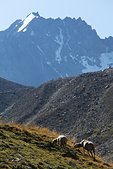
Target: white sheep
(87,145)
(61,140)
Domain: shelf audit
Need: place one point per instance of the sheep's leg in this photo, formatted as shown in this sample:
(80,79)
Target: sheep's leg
(89,153)
(58,142)
(94,153)
(83,150)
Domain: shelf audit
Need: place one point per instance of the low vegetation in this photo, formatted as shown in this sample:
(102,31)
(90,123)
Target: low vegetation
(81,106)
(30,147)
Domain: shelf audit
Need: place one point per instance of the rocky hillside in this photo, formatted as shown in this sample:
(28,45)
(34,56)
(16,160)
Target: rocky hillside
(36,49)
(10,92)
(78,106)
(24,147)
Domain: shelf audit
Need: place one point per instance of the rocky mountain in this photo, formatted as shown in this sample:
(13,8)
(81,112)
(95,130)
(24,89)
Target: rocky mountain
(79,106)
(37,49)
(10,92)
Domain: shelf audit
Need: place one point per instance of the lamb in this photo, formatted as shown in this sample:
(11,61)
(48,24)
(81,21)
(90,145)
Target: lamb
(61,140)
(87,145)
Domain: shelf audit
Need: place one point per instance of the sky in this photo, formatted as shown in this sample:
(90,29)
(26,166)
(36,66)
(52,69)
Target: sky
(97,13)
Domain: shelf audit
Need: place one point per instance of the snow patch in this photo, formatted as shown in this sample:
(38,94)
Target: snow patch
(38,47)
(71,56)
(26,22)
(88,68)
(48,63)
(60,41)
(75,60)
(67,75)
(24,30)
(106,60)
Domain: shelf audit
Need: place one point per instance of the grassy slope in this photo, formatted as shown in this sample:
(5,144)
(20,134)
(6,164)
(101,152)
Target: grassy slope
(28,147)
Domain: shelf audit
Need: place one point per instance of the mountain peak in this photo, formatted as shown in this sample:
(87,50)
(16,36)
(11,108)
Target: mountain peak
(36,14)
(27,20)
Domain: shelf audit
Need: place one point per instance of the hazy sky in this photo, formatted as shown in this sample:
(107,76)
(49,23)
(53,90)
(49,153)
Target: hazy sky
(97,13)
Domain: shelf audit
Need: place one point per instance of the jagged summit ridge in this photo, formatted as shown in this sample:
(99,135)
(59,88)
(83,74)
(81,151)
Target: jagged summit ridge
(37,49)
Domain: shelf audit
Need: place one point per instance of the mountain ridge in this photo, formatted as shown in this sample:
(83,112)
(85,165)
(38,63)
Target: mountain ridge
(9,92)
(37,50)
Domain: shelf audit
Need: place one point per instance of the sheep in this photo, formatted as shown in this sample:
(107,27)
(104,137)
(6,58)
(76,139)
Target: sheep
(61,140)
(87,145)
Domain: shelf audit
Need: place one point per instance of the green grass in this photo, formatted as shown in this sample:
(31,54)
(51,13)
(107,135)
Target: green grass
(25,147)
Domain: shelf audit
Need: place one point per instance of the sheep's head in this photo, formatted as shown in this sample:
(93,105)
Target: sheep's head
(54,141)
(77,145)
